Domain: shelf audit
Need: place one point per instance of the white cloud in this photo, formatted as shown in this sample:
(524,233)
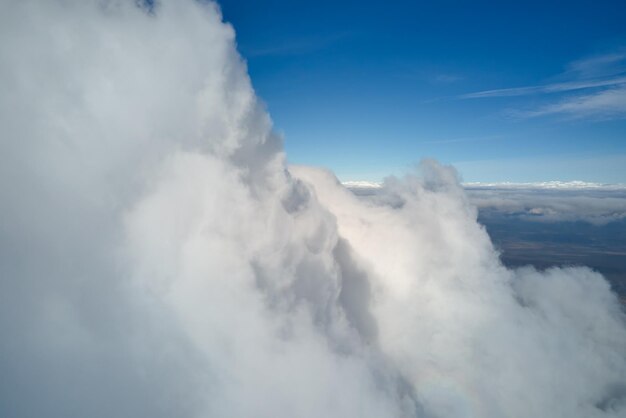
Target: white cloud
(548,185)
(602,65)
(598,204)
(547,88)
(603,74)
(551,201)
(606,104)
(360,184)
(446,78)
(158,259)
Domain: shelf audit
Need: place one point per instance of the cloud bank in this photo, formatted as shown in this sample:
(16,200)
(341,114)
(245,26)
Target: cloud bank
(551,201)
(158,258)
(597,204)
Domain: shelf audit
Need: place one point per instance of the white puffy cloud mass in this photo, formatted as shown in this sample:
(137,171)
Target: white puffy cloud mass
(159,259)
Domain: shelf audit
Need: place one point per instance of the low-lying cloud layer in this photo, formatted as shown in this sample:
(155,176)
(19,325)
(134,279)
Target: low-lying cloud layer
(158,258)
(552,202)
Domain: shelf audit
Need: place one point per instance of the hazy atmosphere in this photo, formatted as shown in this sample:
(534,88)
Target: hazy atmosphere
(441,241)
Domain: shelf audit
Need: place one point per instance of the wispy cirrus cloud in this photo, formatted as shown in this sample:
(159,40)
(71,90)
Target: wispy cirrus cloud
(604,76)
(605,104)
(547,88)
(599,65)
(462,139)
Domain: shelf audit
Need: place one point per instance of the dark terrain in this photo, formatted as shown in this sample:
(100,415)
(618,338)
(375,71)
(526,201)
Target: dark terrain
(547,244)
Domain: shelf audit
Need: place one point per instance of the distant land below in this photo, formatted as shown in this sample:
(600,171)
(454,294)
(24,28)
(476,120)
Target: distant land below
(547,244)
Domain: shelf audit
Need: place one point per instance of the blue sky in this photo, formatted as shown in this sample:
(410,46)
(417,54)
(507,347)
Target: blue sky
(523,91)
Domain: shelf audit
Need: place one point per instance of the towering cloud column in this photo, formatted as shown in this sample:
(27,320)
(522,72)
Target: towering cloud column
(158,258)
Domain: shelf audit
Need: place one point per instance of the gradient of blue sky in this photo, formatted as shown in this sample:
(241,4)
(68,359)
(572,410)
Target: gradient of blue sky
(505,91)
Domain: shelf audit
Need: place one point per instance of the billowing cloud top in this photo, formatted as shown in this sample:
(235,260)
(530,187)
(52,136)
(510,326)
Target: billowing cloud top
(158,258)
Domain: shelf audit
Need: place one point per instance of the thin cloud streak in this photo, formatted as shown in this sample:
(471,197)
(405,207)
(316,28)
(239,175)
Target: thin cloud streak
(547,88)
(605,74)
(606,104)
(599,65)
(463,139)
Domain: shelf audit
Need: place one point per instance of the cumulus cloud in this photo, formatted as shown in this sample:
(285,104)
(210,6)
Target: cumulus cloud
(157,257)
